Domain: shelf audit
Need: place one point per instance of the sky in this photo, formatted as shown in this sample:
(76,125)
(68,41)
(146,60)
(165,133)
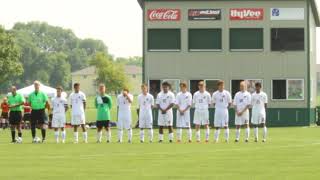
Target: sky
(116,22)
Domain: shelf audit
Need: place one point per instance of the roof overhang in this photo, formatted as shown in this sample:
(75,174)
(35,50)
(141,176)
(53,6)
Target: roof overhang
(313,3)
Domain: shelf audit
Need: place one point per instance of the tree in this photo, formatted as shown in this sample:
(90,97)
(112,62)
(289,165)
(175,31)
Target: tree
(109,73)
(10,65)
(135,60)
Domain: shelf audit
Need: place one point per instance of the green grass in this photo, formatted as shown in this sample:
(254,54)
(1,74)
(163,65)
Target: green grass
(289,154)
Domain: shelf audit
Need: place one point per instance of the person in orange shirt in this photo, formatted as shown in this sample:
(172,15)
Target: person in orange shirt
(4,113)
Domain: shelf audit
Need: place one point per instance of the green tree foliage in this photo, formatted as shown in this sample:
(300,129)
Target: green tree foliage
(110,73)
(10,65)
(135,60)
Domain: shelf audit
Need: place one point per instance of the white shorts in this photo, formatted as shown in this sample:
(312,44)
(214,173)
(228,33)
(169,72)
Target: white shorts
(221,118)
(165,119)
(258,118)
(201,117)
(183,121)
(242,120)
(78,120)
(58,120)
(145,119)
(124,120)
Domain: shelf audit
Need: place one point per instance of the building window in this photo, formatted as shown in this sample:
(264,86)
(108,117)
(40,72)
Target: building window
(164,39)
(288,89)
(287,39)
(205,40)
(235,85)
(211,85)
(154,87)
(246,39)
(194,86)
(175,84)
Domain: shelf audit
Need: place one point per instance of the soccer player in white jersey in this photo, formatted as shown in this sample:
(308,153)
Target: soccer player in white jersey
(202,101)
(124,101)
(77,101)
(146,103)
(183,103)
(222,101)
(259,105)
(59,108)
(242,102)
(165,101)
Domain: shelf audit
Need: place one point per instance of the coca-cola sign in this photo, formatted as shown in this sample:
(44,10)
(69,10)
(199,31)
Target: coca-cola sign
(246,14)
(204,14)
(164,14)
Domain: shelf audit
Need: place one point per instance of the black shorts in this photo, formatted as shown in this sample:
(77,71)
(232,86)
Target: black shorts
(38,117)
(103,124)
(15,117)
(27,117)
(4,115)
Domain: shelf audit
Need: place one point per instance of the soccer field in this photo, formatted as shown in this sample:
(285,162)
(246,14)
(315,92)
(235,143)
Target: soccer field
(290,153)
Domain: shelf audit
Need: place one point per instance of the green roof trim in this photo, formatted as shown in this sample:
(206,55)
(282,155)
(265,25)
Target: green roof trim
(313,4)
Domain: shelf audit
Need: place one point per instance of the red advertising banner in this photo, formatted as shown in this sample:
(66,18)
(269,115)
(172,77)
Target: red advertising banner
(164,14)
(246,14)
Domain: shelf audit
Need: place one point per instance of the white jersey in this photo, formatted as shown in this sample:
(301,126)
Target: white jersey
(258,101)
(76,101)
(201,100)
(221,99)
(183,100)
(165,99)
(58,105)
(242,100)
(145,102)
(123,102)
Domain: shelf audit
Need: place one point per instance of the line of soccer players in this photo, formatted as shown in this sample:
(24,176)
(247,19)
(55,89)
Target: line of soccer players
(165,102)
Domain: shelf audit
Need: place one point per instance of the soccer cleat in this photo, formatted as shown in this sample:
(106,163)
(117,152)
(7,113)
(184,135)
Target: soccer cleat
(190,141)
(178,141)
(108,141)
(75,142)
(150,141)
(198,141)
(63,142)
(264,140)
(246,141)
(236,140)
(160,141)
(13,142)
(170,141)
(141,141)
(86,142)
(227,141)
(216,141)
(43,141)
(207,141)
(99,141)
(256,140)
(129,141)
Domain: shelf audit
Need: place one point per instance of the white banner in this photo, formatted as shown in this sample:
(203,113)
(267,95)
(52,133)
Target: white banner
(287,13)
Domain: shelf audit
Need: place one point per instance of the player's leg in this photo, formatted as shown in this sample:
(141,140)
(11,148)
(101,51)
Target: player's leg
(256,132)
(247,126)
(18,126)
(141,134)
(99,131)
(33,124)
(170,128)
(108,131)
(160,134)
(63,135)
(56,134)
(129,135)
(75,133)
(226,133)
(238,127)
(84,133)
(198,133)
(264,134)
(43,127)
(216,134)
(179,134)
(207,127)
(13,133)
(151,135)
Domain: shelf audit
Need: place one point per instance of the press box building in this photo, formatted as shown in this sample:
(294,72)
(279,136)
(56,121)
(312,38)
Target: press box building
(267,41)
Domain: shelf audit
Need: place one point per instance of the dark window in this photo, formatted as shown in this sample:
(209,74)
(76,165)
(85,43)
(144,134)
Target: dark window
(279,89)
(204,39)
(164,39)
(194,86)
(287,39)
(235,86)
(211,85)
(246,39)
(154,87)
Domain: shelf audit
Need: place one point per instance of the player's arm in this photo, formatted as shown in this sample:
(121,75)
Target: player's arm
(110,102)
(84,102)
(169,107)
(129,98)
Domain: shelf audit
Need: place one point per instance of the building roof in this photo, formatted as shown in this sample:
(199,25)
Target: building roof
(313,3)
(129,69)
(86,71)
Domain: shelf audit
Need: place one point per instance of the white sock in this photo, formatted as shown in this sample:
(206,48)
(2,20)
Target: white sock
(151,134)
(179,134)
(226,134)
(247,133)
(161,137)
(56,136)
(190,134)
(108,134)
(265,132)
(238,134)
(130,135)
(142,135)
(120,134)
(198,135)
(216,134)
(171,136)
(256,131)
(99,136)
(207,134)
(76,136)
(85,136)
(63,135)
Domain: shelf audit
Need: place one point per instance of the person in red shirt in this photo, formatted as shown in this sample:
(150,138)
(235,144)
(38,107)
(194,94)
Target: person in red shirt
(26,113)
(4,113)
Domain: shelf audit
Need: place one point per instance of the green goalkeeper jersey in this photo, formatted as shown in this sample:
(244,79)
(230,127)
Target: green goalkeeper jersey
(103,103)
